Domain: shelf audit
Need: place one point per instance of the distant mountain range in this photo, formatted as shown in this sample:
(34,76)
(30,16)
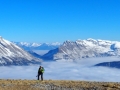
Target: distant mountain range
(113,64)
(11,54)
(38,46)
(88,48)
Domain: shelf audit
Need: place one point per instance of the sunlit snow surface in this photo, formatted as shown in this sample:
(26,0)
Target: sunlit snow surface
(65,70)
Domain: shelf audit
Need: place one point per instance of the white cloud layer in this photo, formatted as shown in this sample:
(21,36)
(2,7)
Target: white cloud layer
(63,70)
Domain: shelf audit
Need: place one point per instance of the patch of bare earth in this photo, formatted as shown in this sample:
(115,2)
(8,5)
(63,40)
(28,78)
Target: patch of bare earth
(56,85)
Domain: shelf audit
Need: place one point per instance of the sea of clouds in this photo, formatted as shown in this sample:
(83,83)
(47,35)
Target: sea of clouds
(65,70)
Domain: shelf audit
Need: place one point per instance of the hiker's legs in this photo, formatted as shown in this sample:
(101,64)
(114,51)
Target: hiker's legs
(41,76)
(38,76)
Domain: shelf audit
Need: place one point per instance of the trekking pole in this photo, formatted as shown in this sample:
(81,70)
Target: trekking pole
(37,76)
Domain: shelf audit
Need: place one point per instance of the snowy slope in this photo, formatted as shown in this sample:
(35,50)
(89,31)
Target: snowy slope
(85,49)
(11,54)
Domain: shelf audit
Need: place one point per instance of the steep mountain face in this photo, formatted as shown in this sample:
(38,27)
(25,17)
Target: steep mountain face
(85,49)
(11,54)
(37,46)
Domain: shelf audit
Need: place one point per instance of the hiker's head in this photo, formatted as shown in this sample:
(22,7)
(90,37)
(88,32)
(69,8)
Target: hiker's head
(40,66)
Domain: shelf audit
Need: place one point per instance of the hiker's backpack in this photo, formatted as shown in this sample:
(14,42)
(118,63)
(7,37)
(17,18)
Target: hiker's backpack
(43,69)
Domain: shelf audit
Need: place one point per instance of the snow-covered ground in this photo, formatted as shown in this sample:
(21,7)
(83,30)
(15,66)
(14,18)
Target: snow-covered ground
(65,70)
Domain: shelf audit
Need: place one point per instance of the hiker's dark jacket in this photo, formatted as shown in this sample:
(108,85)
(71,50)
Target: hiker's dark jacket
(40,70)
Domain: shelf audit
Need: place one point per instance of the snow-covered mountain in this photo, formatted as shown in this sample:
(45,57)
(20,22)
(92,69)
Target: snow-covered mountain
(11,54)
(84,49)
(38,46)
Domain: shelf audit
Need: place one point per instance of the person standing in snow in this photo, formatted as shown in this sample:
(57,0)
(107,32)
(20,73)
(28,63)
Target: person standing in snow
(40,72)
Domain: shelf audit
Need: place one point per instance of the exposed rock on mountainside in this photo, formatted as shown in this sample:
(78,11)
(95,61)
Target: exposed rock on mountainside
(84,49)
(11,54)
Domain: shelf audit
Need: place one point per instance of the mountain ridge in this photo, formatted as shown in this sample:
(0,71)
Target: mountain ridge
(88,48)
(11,54)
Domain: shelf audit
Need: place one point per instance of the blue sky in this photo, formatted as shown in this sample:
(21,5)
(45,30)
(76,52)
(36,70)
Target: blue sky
(59,20)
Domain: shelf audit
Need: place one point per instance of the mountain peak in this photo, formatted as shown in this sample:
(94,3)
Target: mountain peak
(11,54)
(86,49)
(117,45)
(91,39)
